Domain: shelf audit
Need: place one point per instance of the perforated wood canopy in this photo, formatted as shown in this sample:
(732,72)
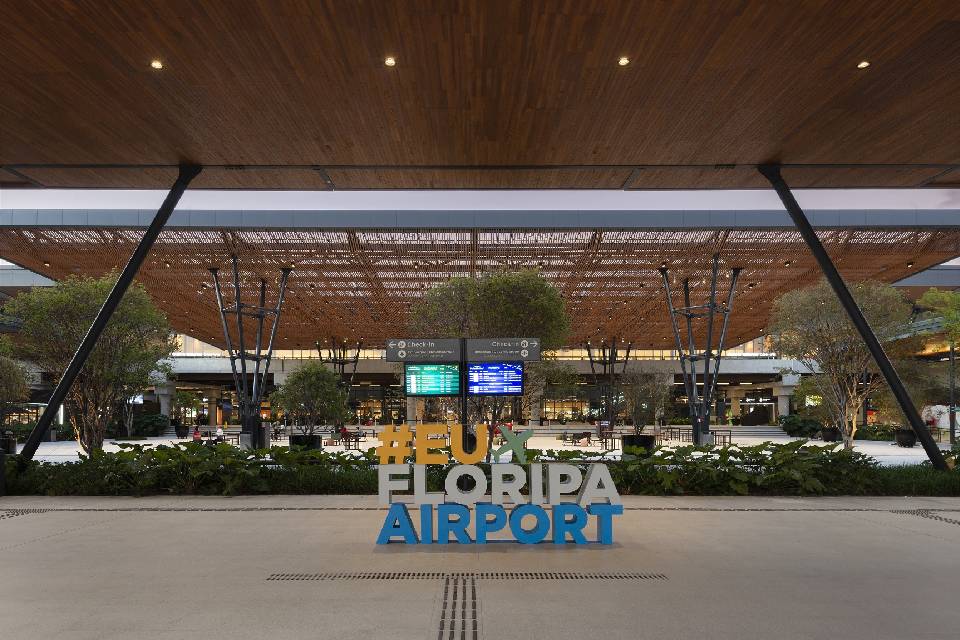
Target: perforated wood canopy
(355,284)
(279,94)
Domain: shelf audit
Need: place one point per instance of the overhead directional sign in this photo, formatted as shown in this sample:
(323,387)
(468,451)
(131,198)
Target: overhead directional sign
(503,349)
(423,350)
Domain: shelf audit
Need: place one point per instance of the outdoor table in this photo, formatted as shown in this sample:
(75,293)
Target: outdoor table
(608,439)
(351,440)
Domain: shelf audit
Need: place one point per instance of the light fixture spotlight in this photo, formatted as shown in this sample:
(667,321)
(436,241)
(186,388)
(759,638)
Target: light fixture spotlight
(156,64)
(623,61)
(390,61)
(863,64)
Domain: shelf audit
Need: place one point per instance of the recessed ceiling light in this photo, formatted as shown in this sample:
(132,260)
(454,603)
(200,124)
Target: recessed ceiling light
(909,264)
(46,264)
(390,61)
(623,61)
(156,64)
(863,64)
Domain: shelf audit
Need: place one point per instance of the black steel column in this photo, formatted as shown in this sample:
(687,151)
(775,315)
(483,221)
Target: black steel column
(953,401)
(187,173)
(464,410)
(772,173)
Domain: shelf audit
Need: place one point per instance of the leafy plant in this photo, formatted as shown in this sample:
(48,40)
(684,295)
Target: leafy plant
(799,426)
(812,327)
(13,387)
(312,395)
(132,347)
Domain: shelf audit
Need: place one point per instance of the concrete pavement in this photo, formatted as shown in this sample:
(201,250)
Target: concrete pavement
(207,568)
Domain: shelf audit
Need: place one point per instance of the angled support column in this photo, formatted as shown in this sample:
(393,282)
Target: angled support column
(772,173)
(187,173)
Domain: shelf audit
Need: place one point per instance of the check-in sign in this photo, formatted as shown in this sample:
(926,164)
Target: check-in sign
(423,350)
(503,349)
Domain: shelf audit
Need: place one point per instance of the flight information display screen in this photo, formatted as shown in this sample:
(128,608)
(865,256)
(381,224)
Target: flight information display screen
(495,378)
(432,379)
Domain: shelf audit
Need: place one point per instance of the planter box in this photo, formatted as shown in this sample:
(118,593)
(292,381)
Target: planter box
(314,441)
(830,434)
(646,441)
(905,438)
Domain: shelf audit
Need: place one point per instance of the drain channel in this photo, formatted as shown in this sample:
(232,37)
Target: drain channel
(13,513)
(467,575)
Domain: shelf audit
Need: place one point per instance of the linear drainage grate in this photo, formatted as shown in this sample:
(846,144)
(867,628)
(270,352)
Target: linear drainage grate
(13,513)
(468,575)
(929,514)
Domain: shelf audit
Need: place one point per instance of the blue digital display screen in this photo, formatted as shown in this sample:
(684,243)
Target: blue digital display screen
(495,378)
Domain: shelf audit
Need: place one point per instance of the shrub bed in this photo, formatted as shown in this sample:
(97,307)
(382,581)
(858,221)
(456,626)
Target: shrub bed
(794,468)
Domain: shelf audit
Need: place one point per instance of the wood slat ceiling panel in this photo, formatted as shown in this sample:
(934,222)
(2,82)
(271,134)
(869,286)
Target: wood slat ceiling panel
(478,83)
(797,177)
(355,284)
(540,178)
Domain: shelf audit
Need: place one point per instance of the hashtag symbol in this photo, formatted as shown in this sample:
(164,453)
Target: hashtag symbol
(394,444)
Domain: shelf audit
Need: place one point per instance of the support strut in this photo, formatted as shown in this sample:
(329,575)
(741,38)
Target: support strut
(700,404)
(772,173)
(250,391)
(186,174)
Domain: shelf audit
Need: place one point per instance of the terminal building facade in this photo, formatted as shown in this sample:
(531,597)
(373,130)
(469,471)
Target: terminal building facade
(354,276)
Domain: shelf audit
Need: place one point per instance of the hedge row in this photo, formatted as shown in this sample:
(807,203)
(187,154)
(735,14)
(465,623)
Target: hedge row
(794,468)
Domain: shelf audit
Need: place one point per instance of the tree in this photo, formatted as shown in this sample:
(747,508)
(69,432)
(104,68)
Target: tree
(502,304)
(811,326)
(311,396)
(13,387)
(646,395)
(183,402)
(945,304)
(133,345)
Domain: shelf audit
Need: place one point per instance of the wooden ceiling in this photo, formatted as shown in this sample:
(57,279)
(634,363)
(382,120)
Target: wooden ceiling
(354,284)
(294,94)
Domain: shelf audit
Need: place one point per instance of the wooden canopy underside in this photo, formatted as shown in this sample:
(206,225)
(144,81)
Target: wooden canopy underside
(355,284)
(286,94)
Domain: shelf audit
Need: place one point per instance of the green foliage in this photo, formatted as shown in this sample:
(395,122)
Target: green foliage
(799,426)
(13,387)
(946,304)
(150,424)
(646,395)
(311,396)
(184,401)
(877,431)
(500,304)
(131,348)
(812,327)
(794,468)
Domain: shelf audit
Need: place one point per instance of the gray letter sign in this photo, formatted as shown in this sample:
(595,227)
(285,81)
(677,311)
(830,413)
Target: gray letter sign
(503,349)
(423,350)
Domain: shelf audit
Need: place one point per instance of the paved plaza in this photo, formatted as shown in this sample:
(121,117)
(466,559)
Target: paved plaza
(307,567)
